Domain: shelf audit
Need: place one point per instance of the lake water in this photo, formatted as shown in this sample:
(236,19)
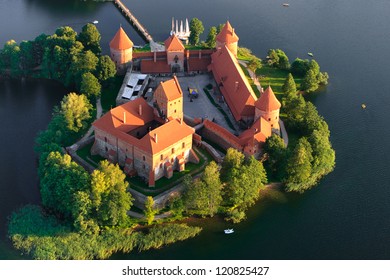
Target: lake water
(344,217)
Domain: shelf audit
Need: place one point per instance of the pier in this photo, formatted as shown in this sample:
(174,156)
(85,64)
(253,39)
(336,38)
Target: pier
(133,20)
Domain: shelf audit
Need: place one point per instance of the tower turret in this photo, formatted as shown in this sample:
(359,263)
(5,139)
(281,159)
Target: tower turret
(121,48)
(228,37)
(268,106)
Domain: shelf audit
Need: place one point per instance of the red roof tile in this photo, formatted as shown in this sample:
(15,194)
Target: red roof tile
(198,64)
(171,89)
(167,134)
(235,87)
(260,131)
(160,66)
(268,101)
(173,44)
(121,41)
(227,34)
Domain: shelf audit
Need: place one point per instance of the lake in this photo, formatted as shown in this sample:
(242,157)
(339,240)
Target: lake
(344,217)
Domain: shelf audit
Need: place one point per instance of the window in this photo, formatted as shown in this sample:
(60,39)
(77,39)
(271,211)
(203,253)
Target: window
(175,110)
(106,149)
(269,119)
(183,145)
(160,165)
(173,150)
(143,157)
(161,157)
(105,139)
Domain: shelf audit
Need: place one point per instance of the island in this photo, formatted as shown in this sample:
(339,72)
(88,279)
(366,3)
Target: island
(151,136)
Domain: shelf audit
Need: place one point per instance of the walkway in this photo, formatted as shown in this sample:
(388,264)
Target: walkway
(284,132)
(251,74)
(133,20)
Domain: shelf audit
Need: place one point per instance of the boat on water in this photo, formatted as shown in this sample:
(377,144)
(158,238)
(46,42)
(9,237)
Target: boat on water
(228,231)
(310,54)
(364,106)
(286,5)
(95,22)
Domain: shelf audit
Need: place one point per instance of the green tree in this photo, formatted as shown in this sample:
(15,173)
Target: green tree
(76,111)
(149,210)
(90,37)
(294,106)
(277,155)
(60,179)
(220,27)
(90,85)
(110,198)
(323,154)
(289,86)
(299,168)
(213,187)
(10,58)
(211,38)
(300,67)
(310,82)
(196,28)
(82,62)
(27,61)
(105,68)
(243,179)
(254,64)
(277,58)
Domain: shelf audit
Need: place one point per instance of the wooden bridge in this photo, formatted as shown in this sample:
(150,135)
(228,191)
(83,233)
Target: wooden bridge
(133,20)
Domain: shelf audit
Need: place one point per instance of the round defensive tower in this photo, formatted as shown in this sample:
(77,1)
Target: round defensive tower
(228,37)
(268,107)
(121,48)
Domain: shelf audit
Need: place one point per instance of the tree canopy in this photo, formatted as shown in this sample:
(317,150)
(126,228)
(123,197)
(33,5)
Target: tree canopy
(76,111)
(211,38)
(196,28)
(90,85)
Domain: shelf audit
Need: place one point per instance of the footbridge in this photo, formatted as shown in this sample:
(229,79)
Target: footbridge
(133,20)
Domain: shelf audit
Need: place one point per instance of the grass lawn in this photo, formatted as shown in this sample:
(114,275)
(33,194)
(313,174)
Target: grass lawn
(145,48)
(254,87)
(85,154)
(275,78)
(109,93)
(192,47)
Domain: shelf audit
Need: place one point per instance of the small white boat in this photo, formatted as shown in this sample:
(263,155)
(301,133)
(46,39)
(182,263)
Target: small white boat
(310,54)
(95,22)
(286,5)
(228,231)
(364,106)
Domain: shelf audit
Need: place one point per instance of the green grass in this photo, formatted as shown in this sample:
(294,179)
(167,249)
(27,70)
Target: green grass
(109,92)
(192,47)
(145,48)
(85,154)
(275,78)
(219,108)
(244,54)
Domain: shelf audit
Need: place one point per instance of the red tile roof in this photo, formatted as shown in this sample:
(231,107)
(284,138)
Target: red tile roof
(160,66)
(268,101)
(167,134)
(227,34)
(173,44)
(198,64)
(171,89)
(121,41)
(235,87)
(260,131)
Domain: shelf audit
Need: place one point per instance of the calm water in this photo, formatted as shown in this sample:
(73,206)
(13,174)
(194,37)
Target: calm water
(345,217)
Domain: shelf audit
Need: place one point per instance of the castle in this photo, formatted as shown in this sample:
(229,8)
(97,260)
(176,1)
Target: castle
(152,141)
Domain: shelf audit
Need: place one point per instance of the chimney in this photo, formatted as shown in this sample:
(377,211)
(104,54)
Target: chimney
(155,137)
(140,109)
(124,117)
(236,85)
(154,56)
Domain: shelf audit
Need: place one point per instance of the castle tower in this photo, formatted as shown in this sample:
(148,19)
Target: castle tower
(268,106)
(228,37)
(175,53)
(169,99)
(121,48)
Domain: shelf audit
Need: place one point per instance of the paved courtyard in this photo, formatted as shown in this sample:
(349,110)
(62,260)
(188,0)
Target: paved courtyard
(200,107)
